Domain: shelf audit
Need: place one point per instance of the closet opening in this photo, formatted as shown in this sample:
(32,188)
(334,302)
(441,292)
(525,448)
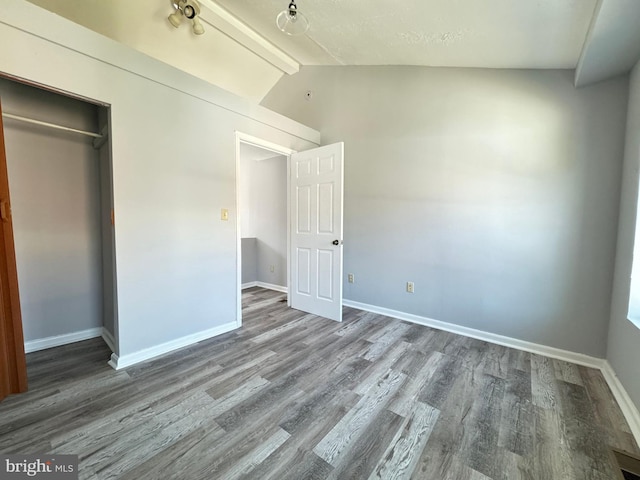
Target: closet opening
(58,156)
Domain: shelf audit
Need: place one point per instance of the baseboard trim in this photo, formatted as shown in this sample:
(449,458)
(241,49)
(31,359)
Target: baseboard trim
(566,355)
(59,340)
(118,362)
(268,286)
(108,339)
(271,286)
(629,409)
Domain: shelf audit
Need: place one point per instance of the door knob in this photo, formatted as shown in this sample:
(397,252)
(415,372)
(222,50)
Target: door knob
(336,242)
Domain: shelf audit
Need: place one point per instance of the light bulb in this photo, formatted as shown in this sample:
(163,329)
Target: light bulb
(189,12)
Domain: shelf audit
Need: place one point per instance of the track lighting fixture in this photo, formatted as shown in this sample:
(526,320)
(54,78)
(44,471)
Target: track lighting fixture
(292,22)
(189,9)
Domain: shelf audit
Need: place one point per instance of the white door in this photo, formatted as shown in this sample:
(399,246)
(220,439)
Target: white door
(316,231)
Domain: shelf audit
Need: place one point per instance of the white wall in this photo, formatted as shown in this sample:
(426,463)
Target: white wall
(495,191)
(54,180)
(623,351)
(173,141)
(263,203)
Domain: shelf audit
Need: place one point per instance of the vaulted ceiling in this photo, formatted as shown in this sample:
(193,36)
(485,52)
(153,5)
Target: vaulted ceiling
(243,52)
(452,33)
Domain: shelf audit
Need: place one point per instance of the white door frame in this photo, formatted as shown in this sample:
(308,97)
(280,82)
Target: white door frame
(281,150)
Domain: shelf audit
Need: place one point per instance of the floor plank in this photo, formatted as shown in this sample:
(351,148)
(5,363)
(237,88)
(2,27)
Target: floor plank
(294,396)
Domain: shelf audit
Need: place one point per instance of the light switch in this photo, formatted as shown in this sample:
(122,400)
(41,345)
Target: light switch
(224,214)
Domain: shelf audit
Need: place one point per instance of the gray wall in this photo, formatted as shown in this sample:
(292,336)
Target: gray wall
(624,338)
(263,204)
(271,219)
(54,179)
(495,191)
(249,260)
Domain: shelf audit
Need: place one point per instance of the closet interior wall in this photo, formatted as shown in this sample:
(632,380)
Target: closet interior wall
(61,204)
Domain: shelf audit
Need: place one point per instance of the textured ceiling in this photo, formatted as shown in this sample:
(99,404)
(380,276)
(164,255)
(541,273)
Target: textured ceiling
(454,33)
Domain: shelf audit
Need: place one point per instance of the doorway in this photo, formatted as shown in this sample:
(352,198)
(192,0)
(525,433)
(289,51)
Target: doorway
(262,200)
(314,224)
(59,168)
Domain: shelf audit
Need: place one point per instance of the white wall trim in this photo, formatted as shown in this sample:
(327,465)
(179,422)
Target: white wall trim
(59,340)
(271,286)
(629,410)
(566,355)
(118,362)
(221,19)
(268,286)
(108,339)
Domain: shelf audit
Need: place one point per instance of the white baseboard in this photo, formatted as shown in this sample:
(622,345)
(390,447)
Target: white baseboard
(629,410)
(59,340)
(627,406)
(108,339)
(269,286)
(119,362)
(531,347)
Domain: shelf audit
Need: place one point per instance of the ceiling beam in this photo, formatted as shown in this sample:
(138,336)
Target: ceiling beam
(612,46)
(221,19)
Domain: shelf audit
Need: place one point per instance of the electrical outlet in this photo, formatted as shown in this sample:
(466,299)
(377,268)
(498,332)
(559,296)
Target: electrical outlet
(272,268)
(351,278)
(409,287)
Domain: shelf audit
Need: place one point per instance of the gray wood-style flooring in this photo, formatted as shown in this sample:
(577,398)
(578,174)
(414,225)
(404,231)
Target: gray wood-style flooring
(294,396)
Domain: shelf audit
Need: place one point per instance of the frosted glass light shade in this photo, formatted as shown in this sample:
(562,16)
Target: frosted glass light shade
(198,29)
(292,24)
(175,18)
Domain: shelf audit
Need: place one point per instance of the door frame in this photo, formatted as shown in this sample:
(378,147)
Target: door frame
(12,354)
(244,138)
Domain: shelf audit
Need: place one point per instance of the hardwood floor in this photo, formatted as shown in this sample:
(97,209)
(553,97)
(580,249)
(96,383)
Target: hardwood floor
(294,396)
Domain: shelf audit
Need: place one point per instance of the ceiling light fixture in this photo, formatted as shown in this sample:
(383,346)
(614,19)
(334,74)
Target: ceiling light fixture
(189,9)
(292,22)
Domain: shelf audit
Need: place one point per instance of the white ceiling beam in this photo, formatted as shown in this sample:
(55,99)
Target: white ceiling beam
(220,19)
(612,46)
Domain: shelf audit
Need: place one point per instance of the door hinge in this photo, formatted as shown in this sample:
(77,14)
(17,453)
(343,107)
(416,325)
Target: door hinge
(5,210)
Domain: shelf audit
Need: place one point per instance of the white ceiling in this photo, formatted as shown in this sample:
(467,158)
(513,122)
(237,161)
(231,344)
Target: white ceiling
(453,33)
(243,52)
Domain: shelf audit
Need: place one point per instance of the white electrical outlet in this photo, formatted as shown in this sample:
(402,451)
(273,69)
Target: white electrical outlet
(409,287)
(351,278)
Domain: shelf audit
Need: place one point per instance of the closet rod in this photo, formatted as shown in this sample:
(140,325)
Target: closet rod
(51,125)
